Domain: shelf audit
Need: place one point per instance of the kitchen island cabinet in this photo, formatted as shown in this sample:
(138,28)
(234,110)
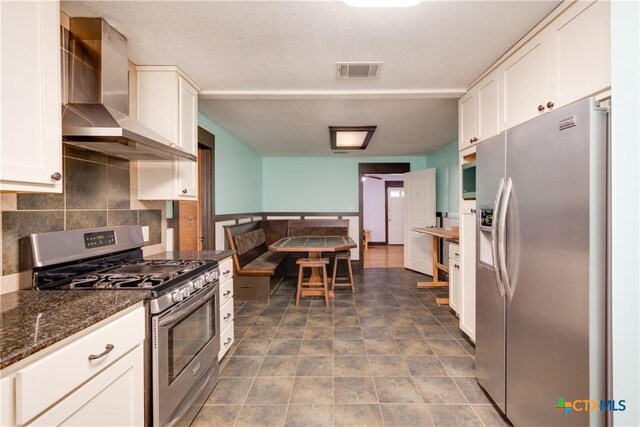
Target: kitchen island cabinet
(93,377)
(31,133)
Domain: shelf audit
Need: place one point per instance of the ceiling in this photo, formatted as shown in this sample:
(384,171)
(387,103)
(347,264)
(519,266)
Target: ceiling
(267,68)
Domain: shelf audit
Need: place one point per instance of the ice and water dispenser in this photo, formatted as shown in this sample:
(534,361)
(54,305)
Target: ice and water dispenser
(486,226)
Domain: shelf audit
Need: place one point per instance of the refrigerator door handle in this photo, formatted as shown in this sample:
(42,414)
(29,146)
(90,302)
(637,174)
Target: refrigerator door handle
(494,237)
(502,237)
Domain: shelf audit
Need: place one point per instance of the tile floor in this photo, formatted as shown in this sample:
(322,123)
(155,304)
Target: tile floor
(384,356)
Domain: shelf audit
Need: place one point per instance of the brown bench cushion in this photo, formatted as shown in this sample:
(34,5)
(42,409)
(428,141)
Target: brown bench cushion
(247,241)
(265,263)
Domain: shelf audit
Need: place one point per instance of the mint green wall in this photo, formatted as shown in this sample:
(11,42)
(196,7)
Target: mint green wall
(238,172)
(318,184)
(445,160)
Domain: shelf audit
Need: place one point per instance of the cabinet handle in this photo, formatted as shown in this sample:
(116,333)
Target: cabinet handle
(56,176)
(227,316)
(470,140)
(540,107)
(457,254)
(550,104)
(226,294)
(227,341)
(475,139)
(456,266)
(107,350)
(227,272)
(473,210)
(184,191)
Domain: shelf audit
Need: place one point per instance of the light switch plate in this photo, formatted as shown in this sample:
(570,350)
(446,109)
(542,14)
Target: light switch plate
(145,233)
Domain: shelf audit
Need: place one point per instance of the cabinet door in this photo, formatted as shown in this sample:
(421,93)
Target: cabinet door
(468,119)
(187,170)
(488,106)
(468,272)
(454,285)
(31,150)
(115,398)
(523,83)
(579,53)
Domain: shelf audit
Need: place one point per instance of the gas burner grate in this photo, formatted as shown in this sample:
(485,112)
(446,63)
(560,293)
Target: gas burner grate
(119,281)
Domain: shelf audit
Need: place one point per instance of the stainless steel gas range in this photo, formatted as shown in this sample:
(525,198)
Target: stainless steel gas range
(183,331)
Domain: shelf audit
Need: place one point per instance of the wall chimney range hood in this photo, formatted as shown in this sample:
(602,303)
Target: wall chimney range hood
(95,96)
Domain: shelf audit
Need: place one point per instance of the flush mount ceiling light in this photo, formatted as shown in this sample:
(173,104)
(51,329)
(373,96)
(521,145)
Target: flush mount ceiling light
(382,3)
(350,137)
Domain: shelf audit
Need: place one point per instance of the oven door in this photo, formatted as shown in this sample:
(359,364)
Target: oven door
(185,356)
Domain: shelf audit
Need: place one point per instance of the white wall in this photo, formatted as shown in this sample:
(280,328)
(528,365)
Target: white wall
(373,208)
(625,205)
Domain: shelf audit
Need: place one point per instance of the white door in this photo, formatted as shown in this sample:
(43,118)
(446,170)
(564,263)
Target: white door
(395,202)
(419,211)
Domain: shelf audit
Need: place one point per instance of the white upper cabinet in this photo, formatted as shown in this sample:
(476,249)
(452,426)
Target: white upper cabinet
(488,107)
(31,144)
(468,119)
(579,60)
(523,79)
(168,104)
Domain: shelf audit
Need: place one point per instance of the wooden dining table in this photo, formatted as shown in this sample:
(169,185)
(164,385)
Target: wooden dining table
(314,246)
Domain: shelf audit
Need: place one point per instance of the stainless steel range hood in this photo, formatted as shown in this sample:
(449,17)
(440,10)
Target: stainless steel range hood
(95,93)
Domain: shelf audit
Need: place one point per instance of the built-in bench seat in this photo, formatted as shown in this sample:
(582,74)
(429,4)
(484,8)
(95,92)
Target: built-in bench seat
(259,271)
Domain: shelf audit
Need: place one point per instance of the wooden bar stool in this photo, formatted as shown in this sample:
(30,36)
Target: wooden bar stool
(345,281)
(312,288)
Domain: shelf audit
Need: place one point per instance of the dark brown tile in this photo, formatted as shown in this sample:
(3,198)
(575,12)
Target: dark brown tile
(405,415)
(309,390)
(260,332)
(267,321)
(316,348)
(352,390)
(261,415)
(453,415)
(152,218)
(85,185)
(230,391)
(351,366)
(118,188)
(278,366)
(270,390)
(309,415)
(318,333)
(219,415)
(439,390)
(85,219)
(396,390)
(284,348)
(241,367)
(459,366)
(40,201)
(18,225)
(358,415)
(381,347)
(123,217)
(347,332)
(252,348)
(287,332)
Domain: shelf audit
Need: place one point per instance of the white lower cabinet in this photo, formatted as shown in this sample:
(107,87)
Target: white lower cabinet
(67,386)
(225,303)
(454,277)
(467,304)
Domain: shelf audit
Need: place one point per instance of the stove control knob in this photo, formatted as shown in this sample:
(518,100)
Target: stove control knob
(176,296)
(199,283)
(186,293)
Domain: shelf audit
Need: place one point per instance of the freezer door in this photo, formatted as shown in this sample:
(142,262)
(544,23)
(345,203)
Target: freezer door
(554,207)
(490,302)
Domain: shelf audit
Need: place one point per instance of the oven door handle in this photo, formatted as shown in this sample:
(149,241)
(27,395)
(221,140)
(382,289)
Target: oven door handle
(181,314)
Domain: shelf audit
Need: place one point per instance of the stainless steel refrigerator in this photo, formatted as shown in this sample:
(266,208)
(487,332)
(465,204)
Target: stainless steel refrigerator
(541,266)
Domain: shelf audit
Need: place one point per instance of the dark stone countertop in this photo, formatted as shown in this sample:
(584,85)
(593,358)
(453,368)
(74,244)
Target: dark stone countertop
(204,255)
(33,320)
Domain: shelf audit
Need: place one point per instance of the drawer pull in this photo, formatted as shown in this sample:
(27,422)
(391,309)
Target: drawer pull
(540,107)
(107,350)
(227,272)
(227,341)
(226,294)
(227,316)
(550,104)
(456,254)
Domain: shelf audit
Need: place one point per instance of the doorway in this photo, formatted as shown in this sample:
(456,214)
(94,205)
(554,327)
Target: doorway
(381,213)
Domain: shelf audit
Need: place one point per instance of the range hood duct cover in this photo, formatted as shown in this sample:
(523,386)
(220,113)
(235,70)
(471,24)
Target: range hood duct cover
(96,96)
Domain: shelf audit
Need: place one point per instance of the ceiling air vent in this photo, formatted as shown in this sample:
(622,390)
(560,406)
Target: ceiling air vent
(358,70)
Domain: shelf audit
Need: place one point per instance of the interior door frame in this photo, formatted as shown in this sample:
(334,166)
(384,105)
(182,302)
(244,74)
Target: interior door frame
(387,186)
(206,193)
(366,169)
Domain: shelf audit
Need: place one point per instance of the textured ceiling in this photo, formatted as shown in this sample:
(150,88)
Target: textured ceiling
(242,49)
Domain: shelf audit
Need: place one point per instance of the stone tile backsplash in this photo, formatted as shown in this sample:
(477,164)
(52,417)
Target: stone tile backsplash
(96,194)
